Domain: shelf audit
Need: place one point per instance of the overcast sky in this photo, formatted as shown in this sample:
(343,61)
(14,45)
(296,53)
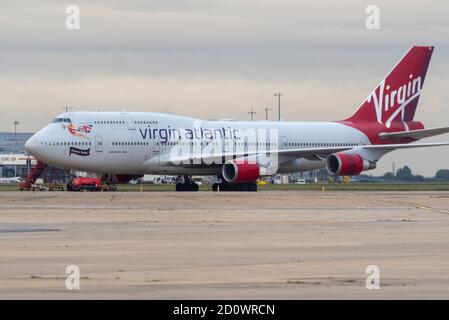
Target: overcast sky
(217,59)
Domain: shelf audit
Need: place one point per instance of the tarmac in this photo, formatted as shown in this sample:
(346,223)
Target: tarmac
(204,245)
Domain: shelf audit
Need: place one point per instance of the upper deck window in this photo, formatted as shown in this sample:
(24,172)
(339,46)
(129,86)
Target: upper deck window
(56,120)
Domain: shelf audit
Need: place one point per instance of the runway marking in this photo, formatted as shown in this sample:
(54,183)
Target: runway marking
(230,208)
(25,229)
(424,207)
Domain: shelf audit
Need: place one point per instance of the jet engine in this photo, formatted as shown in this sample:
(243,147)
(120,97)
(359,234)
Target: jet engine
(240,171)
(347,164)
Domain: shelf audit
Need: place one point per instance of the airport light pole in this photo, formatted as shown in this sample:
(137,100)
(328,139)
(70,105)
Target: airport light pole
(279,104)
(28,165)
(15,144)
(15,135)
(252,113)
(266,112)
(67,108)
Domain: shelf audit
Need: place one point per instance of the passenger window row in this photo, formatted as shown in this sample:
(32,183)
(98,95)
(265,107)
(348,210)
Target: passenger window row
(109,122)
(65,143)
(146,122)
(320,144)
(122,122)
(173,143)
(130,143)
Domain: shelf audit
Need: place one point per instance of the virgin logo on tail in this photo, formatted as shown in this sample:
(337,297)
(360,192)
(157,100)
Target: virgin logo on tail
(396,97)
(386,99)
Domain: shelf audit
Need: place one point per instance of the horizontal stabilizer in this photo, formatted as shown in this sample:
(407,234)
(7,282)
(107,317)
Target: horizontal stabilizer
(414,134)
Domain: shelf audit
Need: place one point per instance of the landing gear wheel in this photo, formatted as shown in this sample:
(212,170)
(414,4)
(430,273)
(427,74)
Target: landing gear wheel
(252,186)
(215,187)
(225,187)
(187,186)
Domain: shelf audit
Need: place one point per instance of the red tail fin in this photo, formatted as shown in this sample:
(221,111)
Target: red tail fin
(397,95)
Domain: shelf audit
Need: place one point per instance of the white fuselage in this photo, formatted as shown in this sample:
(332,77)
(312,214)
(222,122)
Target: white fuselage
(142,143)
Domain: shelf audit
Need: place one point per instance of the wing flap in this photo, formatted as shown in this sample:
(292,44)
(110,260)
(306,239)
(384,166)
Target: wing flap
(404,146)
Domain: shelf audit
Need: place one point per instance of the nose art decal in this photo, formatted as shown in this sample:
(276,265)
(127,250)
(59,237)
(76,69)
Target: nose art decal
(79,131)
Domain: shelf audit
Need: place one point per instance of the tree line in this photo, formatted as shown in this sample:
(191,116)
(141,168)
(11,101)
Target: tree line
(406,174)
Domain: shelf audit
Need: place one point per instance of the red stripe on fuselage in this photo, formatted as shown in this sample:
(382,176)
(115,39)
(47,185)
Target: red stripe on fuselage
(372,130)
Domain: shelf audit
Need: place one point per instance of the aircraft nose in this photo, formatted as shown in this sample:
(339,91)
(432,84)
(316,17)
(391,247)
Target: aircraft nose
(32,145)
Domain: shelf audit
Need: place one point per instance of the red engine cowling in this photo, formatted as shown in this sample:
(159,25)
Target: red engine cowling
(240,171)
(347,164)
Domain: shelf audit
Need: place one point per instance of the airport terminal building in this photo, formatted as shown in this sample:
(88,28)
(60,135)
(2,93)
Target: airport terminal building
(13,143)
(14,161)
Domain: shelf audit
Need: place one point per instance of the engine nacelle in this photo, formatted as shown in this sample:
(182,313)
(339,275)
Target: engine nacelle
(240,171)
(347,164)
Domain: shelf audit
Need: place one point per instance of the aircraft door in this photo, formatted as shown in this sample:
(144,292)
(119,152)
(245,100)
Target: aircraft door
(284,142)
(98,144)
(156,146)
(153,156)
(363,141)
(66,150)
(129,121)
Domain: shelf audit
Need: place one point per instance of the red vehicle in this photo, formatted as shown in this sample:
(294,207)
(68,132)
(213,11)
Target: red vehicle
(84,184)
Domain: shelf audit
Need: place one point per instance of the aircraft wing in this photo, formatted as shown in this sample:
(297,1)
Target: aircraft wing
(308,153)
(415,134)
(391,147)
(220,157)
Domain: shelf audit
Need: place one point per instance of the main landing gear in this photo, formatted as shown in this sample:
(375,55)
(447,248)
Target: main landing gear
(225,186)
(186,184)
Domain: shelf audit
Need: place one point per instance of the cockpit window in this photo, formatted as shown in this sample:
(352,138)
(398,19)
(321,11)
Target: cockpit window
(57,120)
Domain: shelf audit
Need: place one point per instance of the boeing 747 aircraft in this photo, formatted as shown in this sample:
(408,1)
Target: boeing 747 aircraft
(240,152)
